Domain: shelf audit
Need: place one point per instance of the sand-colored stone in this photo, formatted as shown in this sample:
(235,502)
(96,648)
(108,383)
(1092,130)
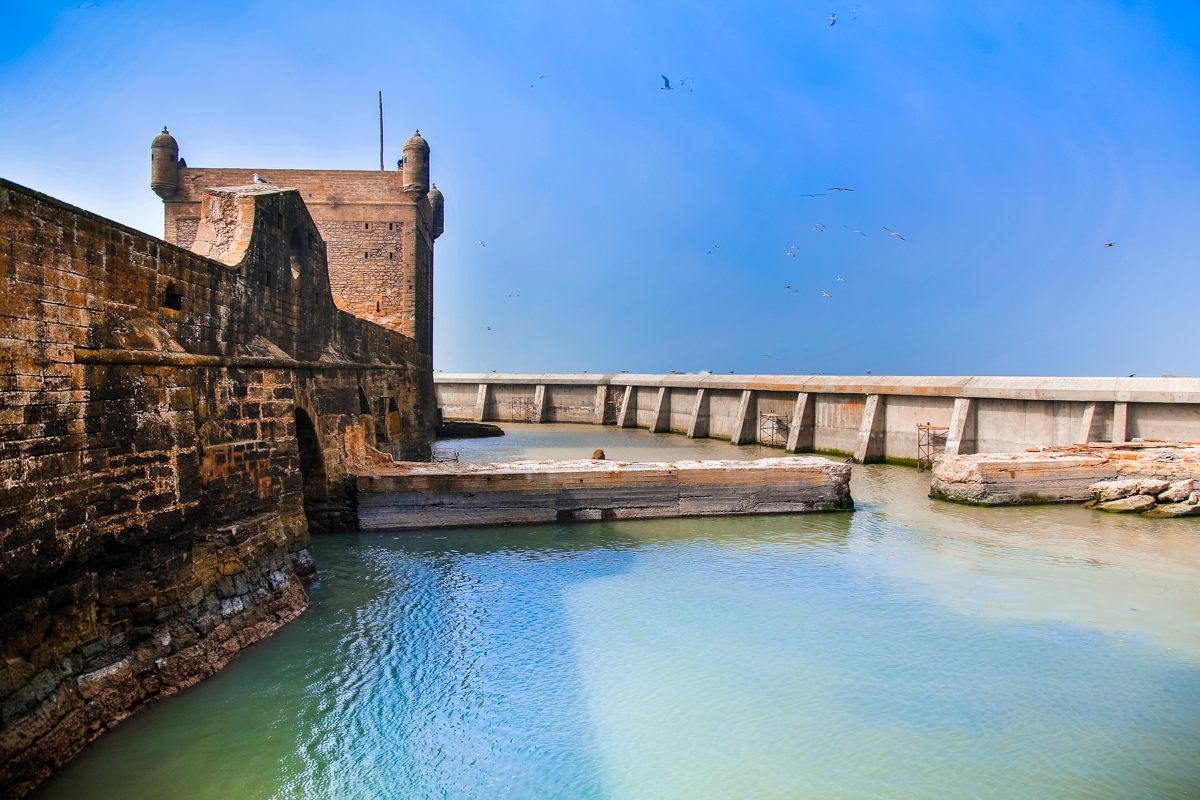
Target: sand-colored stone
(1063,475)
(1134,503)
(408,496)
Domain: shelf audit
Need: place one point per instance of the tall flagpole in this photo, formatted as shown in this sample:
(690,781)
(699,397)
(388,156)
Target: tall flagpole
(381,130)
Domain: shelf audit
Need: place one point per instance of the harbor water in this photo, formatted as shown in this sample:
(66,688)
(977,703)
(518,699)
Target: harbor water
(911,649)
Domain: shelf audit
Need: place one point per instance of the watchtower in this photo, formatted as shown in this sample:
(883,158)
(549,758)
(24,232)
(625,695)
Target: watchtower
(378,226)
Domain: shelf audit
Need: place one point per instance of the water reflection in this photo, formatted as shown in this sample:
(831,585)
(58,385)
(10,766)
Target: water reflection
(911,649)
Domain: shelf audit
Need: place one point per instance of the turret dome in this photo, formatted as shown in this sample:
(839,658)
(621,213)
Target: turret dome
(416,140)
(164,139)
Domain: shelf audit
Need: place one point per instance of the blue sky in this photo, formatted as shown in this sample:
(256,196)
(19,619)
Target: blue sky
(1006,140)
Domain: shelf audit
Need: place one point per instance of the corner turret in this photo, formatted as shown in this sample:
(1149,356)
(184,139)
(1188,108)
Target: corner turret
(164,164)
(438,204)
(416,165)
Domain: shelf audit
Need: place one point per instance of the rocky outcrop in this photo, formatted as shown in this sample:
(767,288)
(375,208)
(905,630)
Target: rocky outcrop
(1098,473)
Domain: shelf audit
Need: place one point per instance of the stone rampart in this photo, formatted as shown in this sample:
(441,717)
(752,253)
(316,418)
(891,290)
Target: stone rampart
(166,419)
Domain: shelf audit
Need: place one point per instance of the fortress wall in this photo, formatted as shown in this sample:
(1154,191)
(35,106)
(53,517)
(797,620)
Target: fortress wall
(999,414)
(172,426)
(379,238)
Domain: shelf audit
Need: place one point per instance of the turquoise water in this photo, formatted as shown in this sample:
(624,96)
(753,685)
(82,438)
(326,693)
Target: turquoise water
(909,650)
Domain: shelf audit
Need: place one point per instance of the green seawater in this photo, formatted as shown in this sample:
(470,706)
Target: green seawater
(912,649)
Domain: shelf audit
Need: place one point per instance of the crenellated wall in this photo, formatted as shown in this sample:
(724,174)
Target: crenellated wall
(869,418)
(173,424)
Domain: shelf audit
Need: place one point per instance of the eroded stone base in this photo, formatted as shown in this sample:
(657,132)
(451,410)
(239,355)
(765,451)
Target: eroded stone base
(76,665)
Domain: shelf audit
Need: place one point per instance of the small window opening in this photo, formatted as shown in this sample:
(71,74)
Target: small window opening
(173,299)
(390,256)
(366,226)
(366,254)
(389,226)
(267,279)
(378,307)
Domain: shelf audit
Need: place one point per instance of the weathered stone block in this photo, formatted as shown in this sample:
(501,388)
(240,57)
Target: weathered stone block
(1133,503)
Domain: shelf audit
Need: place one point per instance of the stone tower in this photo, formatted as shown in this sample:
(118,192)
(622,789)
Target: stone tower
(378,227)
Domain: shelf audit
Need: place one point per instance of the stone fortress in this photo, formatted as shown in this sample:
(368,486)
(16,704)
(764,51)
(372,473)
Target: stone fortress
(179,414)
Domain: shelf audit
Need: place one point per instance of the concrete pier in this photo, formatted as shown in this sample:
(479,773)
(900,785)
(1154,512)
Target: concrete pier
(872,418)
(412,495)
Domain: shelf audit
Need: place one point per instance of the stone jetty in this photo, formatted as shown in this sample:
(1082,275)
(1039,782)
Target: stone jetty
(444,495)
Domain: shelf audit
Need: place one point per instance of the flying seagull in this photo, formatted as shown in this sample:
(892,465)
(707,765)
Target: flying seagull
(666,87)
(1111,244)
(709,253)
(260,180)
(847,227)
(893,233)
(489,328)
(819,194)
(483,244)
(826,294)
(691,84)
(832,20)
(541,76)
(791,253)
(820,226)
(838,189)
(788,286)
(840,278)
(717,246)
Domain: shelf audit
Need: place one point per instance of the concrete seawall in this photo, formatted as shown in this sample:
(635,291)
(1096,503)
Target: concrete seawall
(409,495)
(871,418)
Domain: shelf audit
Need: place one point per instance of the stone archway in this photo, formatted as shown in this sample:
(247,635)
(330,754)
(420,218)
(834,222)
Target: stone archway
(312,459)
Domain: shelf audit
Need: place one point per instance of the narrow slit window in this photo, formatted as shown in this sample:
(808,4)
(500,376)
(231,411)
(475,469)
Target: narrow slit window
(366,254)
(390,256)
(366,226)
(389,226)
(378,307)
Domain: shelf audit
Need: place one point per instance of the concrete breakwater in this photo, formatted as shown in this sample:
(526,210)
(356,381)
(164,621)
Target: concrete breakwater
(1059,476)
(870,418)
(408,496)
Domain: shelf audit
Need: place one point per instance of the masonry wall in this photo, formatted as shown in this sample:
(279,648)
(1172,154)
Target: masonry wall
(379,238)
(166,421)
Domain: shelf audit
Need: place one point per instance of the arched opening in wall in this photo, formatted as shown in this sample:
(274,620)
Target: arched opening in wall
(393,419)
(295,254)
(312,460)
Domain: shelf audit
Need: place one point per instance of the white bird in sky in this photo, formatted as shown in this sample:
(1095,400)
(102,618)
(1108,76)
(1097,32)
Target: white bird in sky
(818,194)
(847,227)
(820,226)
(838,189)
(691,84)
(791,253)
(826,294)
(1111,244)
(893,233)
(483,244)
(832,20)
(840,278)
(666,87)
(257,179)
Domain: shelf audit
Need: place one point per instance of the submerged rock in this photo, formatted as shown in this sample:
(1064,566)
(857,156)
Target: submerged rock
(1174,510)
(1133,503)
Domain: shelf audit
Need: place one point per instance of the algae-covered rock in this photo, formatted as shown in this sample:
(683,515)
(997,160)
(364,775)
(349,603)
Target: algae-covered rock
(1126,505)
(1174,510)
